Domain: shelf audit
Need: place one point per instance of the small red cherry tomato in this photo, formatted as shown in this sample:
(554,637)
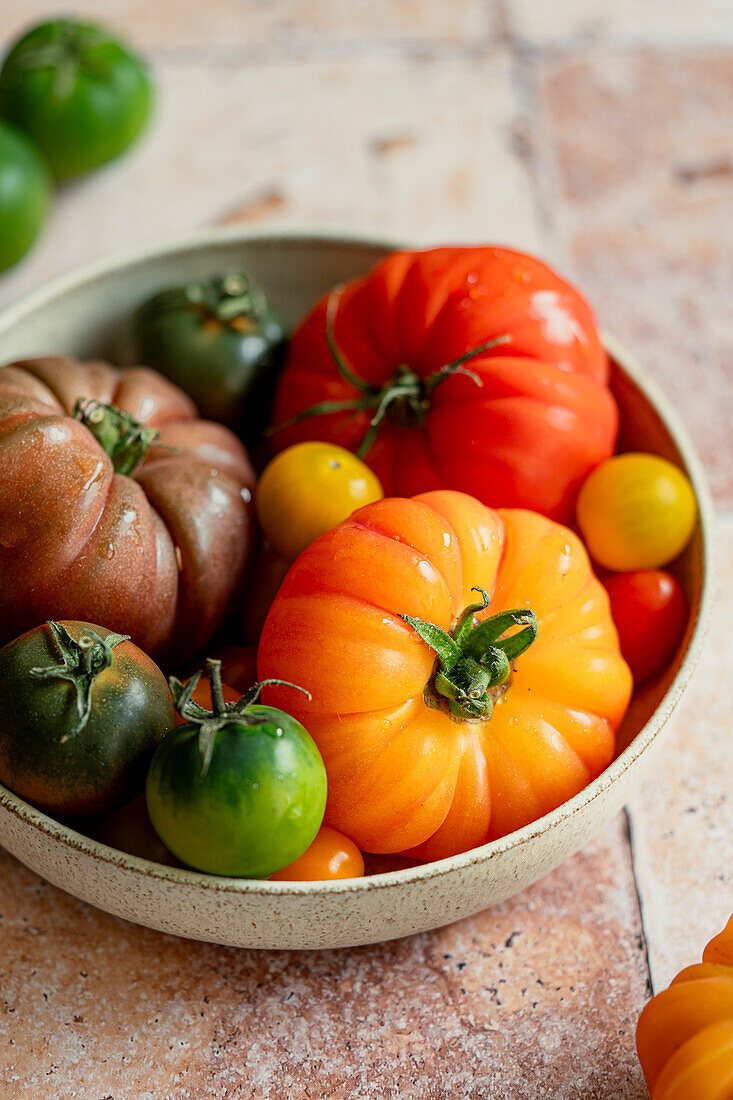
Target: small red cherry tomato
(202,696)
(650,612)
(330,856)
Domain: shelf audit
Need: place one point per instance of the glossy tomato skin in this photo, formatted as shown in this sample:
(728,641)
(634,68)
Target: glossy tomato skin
(25,194)
(257,807)
(636,511)
(331,856)
(79,92)
(102,765)
(403,775)
(650,612)
(157,554)
(221,342)
(523,432)
(308,489)
(684,1037)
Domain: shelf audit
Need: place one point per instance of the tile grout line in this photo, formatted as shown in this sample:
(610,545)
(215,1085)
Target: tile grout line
(644,941)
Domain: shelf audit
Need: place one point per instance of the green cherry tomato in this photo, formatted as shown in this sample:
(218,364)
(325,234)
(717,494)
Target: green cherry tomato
(218,340)
(82,710)
(236,791)
(78,91)
(25,194)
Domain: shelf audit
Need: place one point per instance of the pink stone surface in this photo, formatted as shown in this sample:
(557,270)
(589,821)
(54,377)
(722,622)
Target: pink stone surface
(635,153)
(597,134)
(536,997)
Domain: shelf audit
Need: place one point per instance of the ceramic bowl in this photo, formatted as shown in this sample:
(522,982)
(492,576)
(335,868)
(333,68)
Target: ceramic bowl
(85,314)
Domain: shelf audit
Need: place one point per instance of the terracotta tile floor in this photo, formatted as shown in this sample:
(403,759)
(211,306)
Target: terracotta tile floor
(597,134)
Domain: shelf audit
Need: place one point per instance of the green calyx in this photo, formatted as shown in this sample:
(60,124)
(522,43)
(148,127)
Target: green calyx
(231,300)
(81,662)
(209,722)
(404,400)
(119,435)
(63,46)
(474,662)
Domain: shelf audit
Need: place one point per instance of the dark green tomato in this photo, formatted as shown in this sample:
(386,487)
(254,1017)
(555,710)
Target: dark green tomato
(254,809)
(219,341)
(25,194)
(44,756)
(77,91)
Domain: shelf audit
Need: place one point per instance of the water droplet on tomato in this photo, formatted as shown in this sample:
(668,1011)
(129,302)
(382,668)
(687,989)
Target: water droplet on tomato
(147,408)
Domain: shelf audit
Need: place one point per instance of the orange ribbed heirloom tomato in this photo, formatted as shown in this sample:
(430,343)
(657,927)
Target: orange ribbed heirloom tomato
(685,1034)
(476,369)
(439,755)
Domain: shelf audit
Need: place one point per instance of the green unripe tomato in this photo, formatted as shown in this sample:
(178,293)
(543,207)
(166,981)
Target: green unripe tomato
(25,194)
(77,91)
(82,711)
(242,794)
(220,341)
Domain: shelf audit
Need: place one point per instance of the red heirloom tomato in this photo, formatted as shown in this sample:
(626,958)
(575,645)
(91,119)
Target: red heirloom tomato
(650,611)
(118,505)
(475,369)
(438,756)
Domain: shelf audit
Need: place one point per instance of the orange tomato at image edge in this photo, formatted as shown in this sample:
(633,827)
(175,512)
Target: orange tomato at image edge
(684,1036)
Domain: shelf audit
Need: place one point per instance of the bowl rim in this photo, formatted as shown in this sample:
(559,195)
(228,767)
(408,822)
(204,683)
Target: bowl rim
(183,877)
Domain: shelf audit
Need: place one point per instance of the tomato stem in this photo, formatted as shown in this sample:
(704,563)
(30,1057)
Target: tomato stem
(119,435)
(404,399)
(474,662)
(217,695)
(209,722)
(229,300)
(80,663)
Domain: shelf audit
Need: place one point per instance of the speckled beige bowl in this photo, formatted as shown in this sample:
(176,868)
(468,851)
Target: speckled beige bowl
(85,315)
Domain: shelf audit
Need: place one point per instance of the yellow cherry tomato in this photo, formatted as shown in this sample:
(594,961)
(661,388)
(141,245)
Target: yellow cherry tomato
(636,511)
(308,489)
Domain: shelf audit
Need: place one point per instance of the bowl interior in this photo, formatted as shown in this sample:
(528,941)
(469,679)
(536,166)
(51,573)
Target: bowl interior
(88,315)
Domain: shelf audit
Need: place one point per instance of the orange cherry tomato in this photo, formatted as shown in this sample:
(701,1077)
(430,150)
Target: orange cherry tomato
(331,855)
(308,489)
(650,612)
(202,696)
